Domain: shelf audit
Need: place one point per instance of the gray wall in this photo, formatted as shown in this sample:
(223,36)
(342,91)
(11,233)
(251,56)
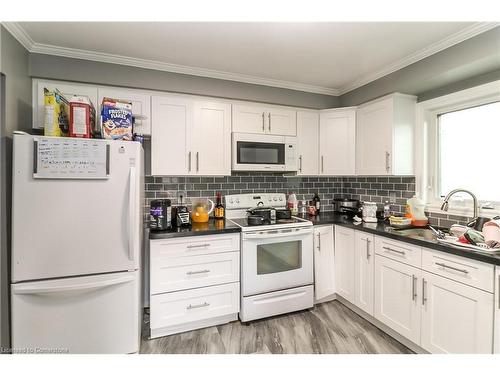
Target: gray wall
(68,69)
(16,114)
(467,64)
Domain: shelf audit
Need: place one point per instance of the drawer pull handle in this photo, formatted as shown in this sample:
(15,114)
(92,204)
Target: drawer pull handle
(394,250)
(190,307)
(424,296)
(368,249)
(197,272)
(197,246)
(451,268)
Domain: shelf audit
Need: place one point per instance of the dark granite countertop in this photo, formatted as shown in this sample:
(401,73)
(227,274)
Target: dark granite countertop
(384,229)
(197,229)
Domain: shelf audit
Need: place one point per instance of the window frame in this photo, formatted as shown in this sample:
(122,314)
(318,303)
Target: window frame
(427,141)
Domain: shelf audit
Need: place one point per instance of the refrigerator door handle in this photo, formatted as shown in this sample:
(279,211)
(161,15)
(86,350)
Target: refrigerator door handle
(131,214)
(21,289)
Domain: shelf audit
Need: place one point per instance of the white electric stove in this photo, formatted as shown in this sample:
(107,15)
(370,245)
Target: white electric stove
(276,258)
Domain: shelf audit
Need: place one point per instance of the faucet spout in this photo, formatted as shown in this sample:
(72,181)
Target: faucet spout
(444,206)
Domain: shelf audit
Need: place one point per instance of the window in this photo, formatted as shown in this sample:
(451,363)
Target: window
(468,144)
(457,142)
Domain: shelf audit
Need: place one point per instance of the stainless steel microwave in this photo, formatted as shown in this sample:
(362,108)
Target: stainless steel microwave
(261,152)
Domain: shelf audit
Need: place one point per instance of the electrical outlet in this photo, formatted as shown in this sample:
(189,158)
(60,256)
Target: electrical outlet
(392,197)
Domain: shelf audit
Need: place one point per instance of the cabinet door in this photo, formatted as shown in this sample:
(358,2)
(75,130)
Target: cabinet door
(364,271)
(307,143)
(456,318)
(67,89)
(212,138)
(249,119)
(397,291)
(337,142)
(141,105)
(374,138)
(171,120)
(324,262)
(497,311)
(281,122)
(344,262)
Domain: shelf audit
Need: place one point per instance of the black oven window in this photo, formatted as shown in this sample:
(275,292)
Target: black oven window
(260,153)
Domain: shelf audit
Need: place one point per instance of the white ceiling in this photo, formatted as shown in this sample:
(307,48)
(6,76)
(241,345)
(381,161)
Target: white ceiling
(330,58)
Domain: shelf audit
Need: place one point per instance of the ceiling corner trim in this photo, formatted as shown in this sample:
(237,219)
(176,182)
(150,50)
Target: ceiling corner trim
(467,33)
(18,32)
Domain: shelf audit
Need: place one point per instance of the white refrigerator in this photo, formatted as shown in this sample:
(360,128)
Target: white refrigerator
(76,245)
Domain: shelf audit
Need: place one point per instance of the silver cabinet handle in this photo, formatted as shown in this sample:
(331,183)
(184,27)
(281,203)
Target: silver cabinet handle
(189,160)
(319,242)
(204,304)
(413,288)
(263,124)
(451,268)
(322,164)
(197,161)
(269,117)
(367,249)
(300,163)
(499,291)
(387,165)
(197,246)
(394,250)
(424,297)
(197,272)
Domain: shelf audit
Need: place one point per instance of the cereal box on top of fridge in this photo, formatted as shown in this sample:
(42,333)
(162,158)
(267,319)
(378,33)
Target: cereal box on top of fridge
(55,123)
(116,119)
(81,117)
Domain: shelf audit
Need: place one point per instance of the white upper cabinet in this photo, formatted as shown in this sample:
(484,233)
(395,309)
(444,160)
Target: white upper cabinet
(141,105)
(259,119)
(384,136)
(456,318)
(324,262)
(307,143)
(190,137)
(171,134)
(337,141)
(344,262)
(364,271)
(68,89)
(212,138)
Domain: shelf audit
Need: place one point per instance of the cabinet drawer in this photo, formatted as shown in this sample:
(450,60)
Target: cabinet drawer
(399,251)
(172,274)
(192,305)
(197,245)
(464,270)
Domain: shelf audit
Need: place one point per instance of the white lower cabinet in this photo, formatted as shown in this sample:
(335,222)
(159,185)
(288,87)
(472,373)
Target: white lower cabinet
(456,318)
(344,262)
(324,262)
(497,310)
(364,268)
(397,289)
(194,282)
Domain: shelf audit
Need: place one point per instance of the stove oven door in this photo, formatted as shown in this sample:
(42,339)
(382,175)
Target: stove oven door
(276,259)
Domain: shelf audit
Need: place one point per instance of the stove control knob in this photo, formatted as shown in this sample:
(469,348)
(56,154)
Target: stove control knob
(281,198)
(269,199)
(231,200)
(274,199)
(237,201)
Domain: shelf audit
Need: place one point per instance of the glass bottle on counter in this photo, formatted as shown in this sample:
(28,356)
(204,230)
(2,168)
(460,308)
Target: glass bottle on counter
(317,202)
(219,211)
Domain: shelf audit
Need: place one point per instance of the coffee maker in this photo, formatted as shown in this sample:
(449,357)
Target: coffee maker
(161,214)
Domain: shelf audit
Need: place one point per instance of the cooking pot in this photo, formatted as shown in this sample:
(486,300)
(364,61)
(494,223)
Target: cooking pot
(255,220)
(268,213)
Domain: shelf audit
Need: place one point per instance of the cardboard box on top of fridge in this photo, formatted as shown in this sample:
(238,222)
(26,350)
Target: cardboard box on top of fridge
(81,117)
(55,123)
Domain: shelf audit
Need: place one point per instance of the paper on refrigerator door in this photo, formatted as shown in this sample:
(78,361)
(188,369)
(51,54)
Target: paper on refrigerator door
(70,158)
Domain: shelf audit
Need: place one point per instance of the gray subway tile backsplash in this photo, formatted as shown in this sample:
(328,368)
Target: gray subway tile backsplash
(395,189)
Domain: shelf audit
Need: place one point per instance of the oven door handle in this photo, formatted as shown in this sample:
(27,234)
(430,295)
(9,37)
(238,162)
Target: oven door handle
(277,233)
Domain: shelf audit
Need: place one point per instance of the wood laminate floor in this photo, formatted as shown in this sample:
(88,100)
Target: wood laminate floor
(327,328)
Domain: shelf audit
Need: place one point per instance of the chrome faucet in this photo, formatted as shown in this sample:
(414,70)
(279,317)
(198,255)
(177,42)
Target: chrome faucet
(444,206)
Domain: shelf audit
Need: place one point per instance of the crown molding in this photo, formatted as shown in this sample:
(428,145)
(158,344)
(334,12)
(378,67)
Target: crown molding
(467,33)
(20,34)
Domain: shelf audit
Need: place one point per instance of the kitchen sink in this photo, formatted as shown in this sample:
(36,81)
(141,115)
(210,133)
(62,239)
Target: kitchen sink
(419,233)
